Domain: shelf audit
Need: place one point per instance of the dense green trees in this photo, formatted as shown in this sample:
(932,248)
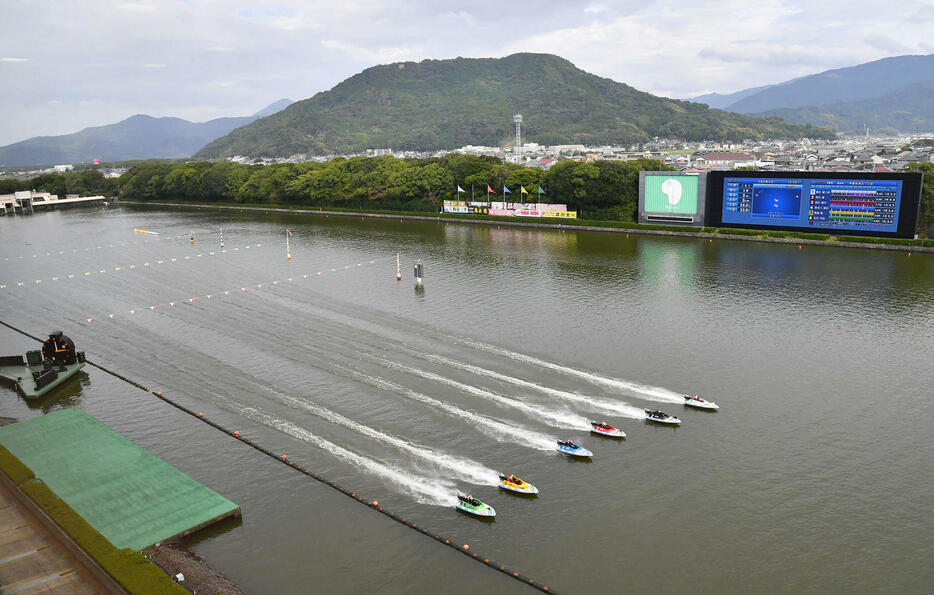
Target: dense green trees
(85,183)
(603,189)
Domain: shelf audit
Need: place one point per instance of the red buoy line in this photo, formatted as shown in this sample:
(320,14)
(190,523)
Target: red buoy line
(144,266)
(243,288)
(291,463)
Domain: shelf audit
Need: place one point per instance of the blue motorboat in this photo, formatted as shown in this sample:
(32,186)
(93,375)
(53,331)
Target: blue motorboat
(575,450)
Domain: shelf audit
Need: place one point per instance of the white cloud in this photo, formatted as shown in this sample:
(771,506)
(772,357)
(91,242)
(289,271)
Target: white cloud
(135,7)
(379,55)
(229,60)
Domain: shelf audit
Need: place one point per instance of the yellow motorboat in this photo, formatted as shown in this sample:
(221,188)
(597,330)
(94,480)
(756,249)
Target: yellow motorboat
(515,484)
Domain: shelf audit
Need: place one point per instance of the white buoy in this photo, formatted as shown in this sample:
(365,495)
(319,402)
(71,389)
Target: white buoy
(398,268)
(288,253)
(222,238)
(419,272)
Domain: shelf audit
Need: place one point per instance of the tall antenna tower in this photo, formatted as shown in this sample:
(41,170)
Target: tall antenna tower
(518,120)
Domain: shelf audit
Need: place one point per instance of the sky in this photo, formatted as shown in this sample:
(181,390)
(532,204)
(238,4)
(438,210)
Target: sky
(69,64)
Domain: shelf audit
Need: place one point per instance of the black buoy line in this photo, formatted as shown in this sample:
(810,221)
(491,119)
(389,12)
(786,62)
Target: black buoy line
(285,460)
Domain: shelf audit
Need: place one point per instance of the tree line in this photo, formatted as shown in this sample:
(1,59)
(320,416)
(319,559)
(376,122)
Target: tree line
(600,189)
(84,183)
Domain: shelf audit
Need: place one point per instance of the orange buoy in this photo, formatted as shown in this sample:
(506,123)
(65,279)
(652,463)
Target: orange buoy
(466,547)
(375,502)
(200,415)
(236,434)
(159,394)
(283,457)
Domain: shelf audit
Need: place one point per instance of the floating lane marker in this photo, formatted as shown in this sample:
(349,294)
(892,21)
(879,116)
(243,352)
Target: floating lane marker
(115,269)
(228,292)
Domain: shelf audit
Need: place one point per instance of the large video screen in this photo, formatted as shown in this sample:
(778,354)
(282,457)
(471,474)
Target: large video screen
(853,203)
(671,194)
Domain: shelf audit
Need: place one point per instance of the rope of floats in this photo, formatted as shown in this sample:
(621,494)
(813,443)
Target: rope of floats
(285,460)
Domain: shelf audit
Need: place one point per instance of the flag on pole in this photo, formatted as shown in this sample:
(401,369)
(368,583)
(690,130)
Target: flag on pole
(488,189)
(522,190)
(459,190)
(540,191)
(506,190)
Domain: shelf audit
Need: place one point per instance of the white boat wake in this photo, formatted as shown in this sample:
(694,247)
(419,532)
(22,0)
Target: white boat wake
(425,490)
(653,393)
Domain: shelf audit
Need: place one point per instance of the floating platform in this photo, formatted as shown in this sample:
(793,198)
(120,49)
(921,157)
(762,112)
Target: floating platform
(129,495)
(42,370)
(21,375)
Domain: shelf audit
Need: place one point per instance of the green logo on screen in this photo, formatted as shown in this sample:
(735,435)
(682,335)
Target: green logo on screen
(671,194)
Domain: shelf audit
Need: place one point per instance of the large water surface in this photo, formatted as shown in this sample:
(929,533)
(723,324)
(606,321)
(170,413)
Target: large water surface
(815,475)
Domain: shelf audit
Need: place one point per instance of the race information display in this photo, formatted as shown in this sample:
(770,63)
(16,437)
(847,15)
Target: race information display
(815,203)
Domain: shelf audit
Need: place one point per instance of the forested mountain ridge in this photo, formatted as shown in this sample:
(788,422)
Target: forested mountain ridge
(446,104)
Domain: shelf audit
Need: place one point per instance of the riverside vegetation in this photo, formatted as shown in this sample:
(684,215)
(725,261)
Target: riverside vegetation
(601,191)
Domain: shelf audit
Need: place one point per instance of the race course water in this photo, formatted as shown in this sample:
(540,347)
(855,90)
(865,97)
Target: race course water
(815,474)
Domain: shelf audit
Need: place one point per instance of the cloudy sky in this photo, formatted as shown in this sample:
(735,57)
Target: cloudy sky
(68,64)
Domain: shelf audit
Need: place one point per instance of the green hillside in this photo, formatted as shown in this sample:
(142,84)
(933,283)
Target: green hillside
(445,104)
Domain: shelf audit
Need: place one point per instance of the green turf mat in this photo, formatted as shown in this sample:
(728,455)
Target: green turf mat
(132,497)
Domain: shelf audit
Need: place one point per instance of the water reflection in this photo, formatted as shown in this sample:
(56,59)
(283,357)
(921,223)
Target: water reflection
(68,394)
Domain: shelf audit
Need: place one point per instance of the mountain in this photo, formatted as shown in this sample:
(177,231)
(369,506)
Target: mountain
(855,83)
(137,137)
(276,106)
(445,104)
(909,109)
(721,101)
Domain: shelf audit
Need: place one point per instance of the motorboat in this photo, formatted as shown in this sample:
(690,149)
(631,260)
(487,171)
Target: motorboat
(473,506)
(569,448)
(699,403)
(516,484)
(605,429)
(661,417)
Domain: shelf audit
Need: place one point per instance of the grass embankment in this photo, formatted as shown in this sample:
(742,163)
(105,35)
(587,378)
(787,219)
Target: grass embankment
(629,225)
(130,568)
